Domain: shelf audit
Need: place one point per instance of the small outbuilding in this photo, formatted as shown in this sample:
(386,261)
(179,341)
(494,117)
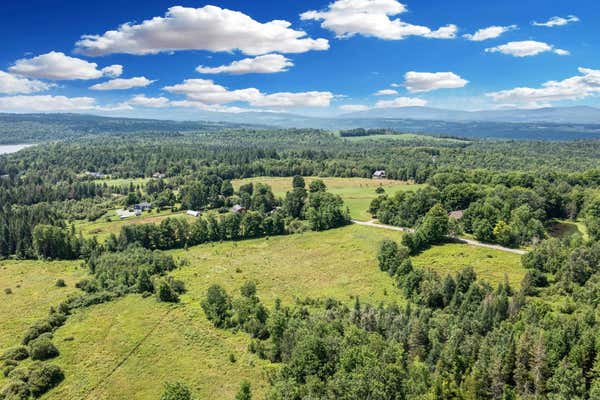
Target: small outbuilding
(458,214)
(238,209)
(379,174)
(96,175)
(124,214)
(143,206)
(193,213)
(158,175)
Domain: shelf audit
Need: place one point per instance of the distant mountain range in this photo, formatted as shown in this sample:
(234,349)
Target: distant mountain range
(379,117)
(561,115)
(557,123)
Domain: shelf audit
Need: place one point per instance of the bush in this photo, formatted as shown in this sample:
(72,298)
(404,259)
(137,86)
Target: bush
(87,285)
(176,391)
(8,291)
(42,349)
(57,319)
(177,285)
(7,370)
(60,283)
(166,293)
(15,390)
(245,392)
(17,353)
(36,330)
(217,306)
(43,377)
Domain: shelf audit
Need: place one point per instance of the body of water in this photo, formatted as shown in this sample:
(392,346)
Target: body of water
(12,148)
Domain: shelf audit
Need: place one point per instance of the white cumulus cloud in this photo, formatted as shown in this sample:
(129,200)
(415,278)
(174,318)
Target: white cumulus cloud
(557,21)
(400,102)
(12,84)
(373,18)
(151,102)
(267,64)
(208,28)
(46,103)
(526,48)
(112,71)
(58,66)
(386,92)
(490,32)
(354,107)
(207,92)
(123,84)
(574,88)
(417,82)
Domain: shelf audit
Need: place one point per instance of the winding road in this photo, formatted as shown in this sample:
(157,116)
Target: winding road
(373,223)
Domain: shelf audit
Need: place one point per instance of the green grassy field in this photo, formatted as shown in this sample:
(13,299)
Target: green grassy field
(33,292)
(102,228)
(408,137)
(33,288)
(128,348)
(356,192)
(490,265)
(124,182)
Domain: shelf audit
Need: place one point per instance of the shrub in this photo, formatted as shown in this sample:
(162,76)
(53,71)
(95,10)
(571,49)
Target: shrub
(176,391)
(177,285)
(166,293)
(43,377)
(42,349)
(245,392)
(36,330)
(15,390)
(8,291)
(19,374)
(7,370)
(17,353)
(87,285)
(217,306)
(57,319)
(60,283)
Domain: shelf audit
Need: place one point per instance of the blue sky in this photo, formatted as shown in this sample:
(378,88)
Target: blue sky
(328,58)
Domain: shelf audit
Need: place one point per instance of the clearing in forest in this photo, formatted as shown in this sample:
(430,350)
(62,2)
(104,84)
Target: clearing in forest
(357,193)
(129,347)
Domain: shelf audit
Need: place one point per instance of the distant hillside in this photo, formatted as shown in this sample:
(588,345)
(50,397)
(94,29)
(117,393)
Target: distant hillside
(29,128)
(542,124)
(572,115)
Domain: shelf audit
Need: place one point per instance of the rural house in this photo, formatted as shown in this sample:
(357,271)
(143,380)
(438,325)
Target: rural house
(238,209)
(193,213)
(143,206)
(380,174)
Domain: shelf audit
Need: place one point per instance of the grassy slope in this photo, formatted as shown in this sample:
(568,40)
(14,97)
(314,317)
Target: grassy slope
(102,228)
(34,296)
(409,137)
(356,192)
(37,292)
(490,265)
(130,347)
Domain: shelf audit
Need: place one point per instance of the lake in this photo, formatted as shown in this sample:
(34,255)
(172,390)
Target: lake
(12,148)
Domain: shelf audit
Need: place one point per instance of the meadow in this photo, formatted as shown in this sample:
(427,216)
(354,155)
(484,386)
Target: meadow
(127,348)
(408,137)
(110,222)
(357,193)
(28,290)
